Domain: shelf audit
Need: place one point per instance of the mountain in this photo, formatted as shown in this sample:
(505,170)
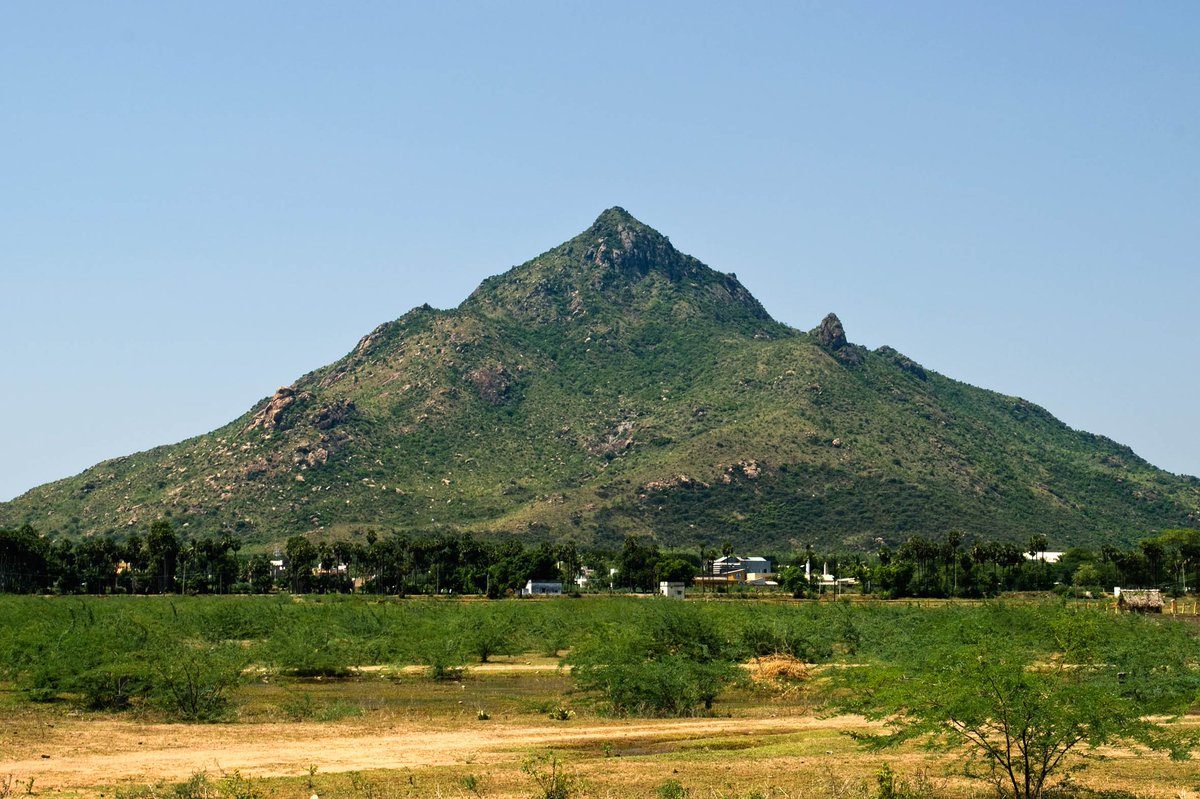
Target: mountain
(615,385)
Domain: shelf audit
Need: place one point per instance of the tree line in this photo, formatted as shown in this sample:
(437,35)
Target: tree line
(161,560)
(951,566)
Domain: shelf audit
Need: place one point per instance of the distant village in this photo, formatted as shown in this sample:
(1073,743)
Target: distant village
(1151,576)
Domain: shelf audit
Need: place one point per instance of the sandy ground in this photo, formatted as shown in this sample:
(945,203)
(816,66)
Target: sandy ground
(77,755)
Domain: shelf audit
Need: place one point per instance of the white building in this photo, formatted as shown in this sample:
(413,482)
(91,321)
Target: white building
(542,588)
(671,590)
(733,563)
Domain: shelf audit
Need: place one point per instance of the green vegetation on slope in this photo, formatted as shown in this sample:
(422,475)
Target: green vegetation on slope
(615,386)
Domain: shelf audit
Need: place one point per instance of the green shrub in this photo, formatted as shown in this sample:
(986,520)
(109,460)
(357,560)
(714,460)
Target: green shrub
(488,630)
(669,664)
(299,706)
(195,787)
(889,785)
(471,783)
(193,682)
(235,786)
(1045,680)
(307,645)
(444,659)
(100,660)
(671,789)
(112,684)
(668,686)
(779,636)
(548,775)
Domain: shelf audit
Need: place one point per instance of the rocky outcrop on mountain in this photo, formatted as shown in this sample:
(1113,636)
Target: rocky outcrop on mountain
(902,362)
(492,383)
(272,414)
(832,336)
(830,333)
(334,414)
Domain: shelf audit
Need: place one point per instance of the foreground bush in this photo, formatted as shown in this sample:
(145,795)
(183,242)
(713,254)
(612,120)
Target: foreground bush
(671,663)
(1027,707)
(193,683)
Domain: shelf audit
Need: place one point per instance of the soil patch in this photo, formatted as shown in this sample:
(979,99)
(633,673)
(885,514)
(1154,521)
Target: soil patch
(79,754)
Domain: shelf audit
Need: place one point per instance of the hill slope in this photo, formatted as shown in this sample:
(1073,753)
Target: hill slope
(614,385)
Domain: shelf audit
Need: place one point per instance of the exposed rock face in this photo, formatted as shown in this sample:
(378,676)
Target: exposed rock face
(368,341)
(615,442)
(622,245)
(312,455)
(678,480)
(905,363)
(492,383)
(831,334)
(269,417)
(333,415)
(751,470)
(256,469)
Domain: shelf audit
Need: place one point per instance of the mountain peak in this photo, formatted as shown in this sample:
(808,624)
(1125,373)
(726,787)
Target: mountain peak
(618,225)
(615,216)
(619,242)
(620,263)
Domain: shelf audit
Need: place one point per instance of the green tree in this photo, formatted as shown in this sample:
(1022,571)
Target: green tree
(793,579)
(1182,550)
(676,570)
(23,560)
(636,564)
(1026,711)
(133,552)
(671,663)
(97,560)
(162,555)
(302,557)
(258,574)
(568,564)
(1086,576)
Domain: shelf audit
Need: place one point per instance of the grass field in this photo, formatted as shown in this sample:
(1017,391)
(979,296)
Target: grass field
(373,725)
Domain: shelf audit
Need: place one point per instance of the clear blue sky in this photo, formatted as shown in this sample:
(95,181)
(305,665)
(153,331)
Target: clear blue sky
(200,202)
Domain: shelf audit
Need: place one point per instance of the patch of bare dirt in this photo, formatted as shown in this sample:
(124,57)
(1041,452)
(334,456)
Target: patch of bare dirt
(78,754)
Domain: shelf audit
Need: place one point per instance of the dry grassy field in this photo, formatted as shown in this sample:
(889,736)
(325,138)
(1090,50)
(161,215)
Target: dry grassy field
(380,734)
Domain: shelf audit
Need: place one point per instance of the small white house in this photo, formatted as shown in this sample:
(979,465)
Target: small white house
(671,590)
(542,588)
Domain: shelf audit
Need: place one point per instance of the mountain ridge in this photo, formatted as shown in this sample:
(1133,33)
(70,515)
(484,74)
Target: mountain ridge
(613,385)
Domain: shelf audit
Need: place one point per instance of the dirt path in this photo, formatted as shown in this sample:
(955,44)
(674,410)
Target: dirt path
(72,757)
